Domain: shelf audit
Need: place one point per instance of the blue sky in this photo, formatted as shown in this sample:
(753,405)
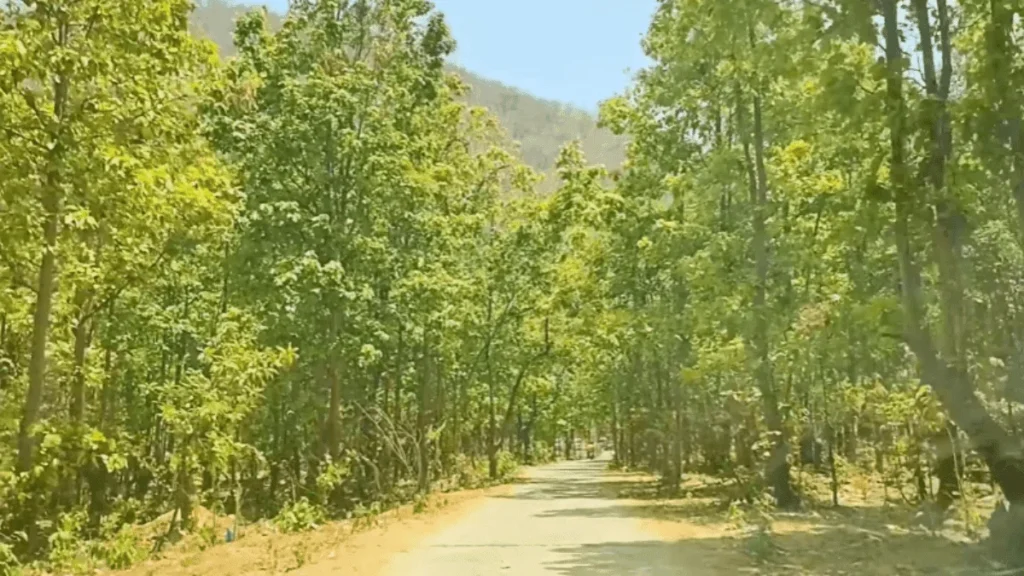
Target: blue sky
(574,51)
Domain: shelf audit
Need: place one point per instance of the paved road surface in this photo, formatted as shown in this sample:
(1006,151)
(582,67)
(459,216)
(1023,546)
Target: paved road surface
(560,522)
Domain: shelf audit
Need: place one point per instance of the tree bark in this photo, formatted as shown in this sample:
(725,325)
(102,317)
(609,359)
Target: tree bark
(6,362)
(777,467)
(953,386)
(51,203)
(423,423)
(947,466)
(616,440)
(82,335)
(492,424)
(333,438)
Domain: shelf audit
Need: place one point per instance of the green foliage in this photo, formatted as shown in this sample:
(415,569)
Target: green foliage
(507,464)
(208,536)
(542,452)
(69,552)
(743,314)
(122,549)
(299,516)
(366,516)
(333,476)
(311,279)
(536,129)
(469,474)
(419,504)
(10,565)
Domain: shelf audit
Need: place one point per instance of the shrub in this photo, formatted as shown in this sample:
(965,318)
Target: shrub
(467,473)
(123,549)
(419,504)
(68,552)
(542,452)
(507,464)
(366,516)
(299,516)
(9,565)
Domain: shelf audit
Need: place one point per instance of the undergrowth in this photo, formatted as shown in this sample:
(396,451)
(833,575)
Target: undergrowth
(75,548)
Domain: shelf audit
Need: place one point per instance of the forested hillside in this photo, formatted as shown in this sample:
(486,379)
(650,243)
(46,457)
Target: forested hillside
(539,127)
(309,283)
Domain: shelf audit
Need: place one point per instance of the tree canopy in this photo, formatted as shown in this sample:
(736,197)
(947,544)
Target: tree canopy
(309,279)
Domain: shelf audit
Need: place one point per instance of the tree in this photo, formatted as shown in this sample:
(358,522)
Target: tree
(94,149)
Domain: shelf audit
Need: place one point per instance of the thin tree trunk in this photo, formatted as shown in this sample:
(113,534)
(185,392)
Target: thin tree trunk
(51,203)
(675,474)
(98,477)
(423,421)
(616,440)
(492,423)
(333,436)
(947,449)
(82,335)
(399,368)
(777,466)
(4,355)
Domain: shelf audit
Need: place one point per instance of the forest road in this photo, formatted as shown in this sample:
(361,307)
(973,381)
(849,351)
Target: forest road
(562,519)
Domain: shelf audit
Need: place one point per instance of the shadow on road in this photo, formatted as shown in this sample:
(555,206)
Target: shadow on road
(824,553)
(583,479)
(696,540)
(650,558)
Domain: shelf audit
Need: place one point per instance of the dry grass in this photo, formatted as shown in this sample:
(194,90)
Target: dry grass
(866,535)
(334,548)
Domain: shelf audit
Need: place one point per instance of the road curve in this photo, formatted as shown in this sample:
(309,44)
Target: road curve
(559,521)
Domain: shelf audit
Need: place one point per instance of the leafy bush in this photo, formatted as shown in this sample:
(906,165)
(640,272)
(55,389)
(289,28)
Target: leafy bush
(366,516)
(69,553)
(9,565)
(207,536)
(123,549)
(333,475)
(300,516)
(419,504)
(127,511)
(468,474)
(507,464)
(542,452)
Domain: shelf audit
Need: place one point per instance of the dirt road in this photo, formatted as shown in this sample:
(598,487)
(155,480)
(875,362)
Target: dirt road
(562,520)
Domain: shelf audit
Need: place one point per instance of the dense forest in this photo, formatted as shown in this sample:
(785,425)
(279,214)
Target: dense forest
(536,129)
(309,280)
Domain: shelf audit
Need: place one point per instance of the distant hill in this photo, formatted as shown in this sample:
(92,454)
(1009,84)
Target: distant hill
(540,127)
(215,20)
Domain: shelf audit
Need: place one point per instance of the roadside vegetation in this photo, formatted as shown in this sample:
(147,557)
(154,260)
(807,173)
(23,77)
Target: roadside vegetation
(308,283)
